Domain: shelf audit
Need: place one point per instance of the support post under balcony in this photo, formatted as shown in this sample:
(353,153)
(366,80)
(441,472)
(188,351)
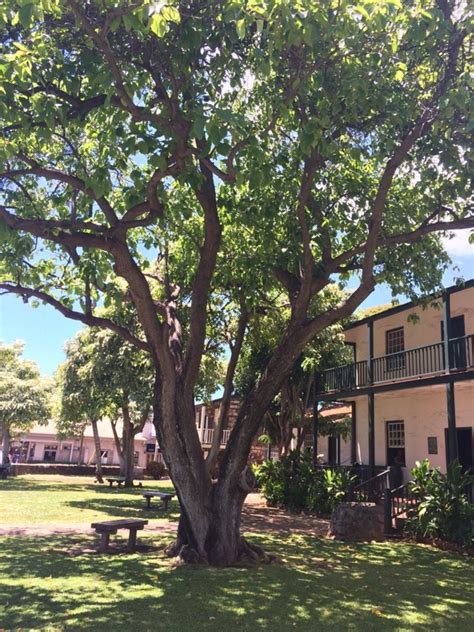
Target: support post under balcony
(353,433)
(370,352)
(371,411)
(452,447)
(315,421)
(446,330)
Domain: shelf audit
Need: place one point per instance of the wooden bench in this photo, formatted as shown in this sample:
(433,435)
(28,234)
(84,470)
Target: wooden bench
(105,529)
(164,497)
(115,479)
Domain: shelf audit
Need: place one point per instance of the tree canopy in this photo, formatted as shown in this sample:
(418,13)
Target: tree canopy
(176,155)
(24,394)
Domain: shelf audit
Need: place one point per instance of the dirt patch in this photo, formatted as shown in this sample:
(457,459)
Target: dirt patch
(256,517)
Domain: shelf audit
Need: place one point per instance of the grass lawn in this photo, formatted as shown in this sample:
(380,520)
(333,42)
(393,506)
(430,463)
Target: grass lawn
(59,582)
(49,584)
(60,500)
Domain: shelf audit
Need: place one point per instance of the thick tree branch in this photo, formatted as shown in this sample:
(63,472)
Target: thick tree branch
(206,195)
(87,319)
(137,112)
(427,117)
(337,264)
(224,407)
(50,230)
(60,176)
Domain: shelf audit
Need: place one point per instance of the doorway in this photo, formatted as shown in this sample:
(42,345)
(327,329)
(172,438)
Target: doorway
(465,448)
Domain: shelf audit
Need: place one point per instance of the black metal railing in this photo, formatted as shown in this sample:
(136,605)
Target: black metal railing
(427,360)
(371,490)
(361,473)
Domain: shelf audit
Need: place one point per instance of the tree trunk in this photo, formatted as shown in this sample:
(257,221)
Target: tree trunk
(5,443)
(80,455)
(98,458)
(128,448)
(223,544)
(209,526)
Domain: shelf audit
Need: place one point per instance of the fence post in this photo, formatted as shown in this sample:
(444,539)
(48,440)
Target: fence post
(387,506)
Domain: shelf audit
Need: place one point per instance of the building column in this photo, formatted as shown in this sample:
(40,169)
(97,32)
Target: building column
(447,330)
(202,422)
(371,417)
(353,433)
(452,447)
(371,396)
(315,424)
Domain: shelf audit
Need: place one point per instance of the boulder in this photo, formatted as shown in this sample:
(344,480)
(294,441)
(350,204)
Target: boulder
(357,522)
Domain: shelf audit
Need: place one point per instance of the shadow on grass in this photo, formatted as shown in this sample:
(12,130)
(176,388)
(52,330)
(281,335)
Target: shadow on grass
(87,485)
(19,484)
(322,585)
(124,506)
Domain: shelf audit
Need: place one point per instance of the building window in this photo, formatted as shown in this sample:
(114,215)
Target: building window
(104,455)
(50,452)
(136,457)
(394,347)
(396,443)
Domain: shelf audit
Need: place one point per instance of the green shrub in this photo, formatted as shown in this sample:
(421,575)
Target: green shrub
(295,484)
(155,469)
(443,509)
(271,480)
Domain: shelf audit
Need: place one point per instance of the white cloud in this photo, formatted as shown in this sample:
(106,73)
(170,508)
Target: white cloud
(458,244)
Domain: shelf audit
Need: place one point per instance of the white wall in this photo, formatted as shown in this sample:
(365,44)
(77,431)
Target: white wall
(424,332)
(424,412)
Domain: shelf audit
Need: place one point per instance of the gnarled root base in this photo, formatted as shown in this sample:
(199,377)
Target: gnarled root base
(246,552)
(249,551)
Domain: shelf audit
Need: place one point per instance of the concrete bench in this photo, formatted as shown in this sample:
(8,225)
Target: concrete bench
(115,479)
(164,497)
(105,529)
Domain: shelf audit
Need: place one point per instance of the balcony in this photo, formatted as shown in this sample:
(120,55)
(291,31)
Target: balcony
(207,435)
(413,363)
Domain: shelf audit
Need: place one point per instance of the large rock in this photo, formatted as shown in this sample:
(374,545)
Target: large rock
(357,522)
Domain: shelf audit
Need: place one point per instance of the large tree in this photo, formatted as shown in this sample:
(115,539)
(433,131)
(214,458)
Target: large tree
(189,149)
(24,395)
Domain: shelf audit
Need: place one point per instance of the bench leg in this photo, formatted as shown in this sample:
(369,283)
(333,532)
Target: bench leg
(148,502)
(132,540)
(165,503)
(104,542)
(110,483)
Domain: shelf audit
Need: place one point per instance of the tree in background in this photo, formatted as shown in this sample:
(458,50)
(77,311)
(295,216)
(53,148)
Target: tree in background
(287,416)
(80,394)
(24,395)
(105,378)
(125,376)
(187,149)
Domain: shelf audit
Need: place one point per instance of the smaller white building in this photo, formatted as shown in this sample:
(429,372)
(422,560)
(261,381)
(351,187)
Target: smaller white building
(41,445)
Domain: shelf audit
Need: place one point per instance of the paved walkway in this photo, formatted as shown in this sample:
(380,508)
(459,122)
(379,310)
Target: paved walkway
(256,516)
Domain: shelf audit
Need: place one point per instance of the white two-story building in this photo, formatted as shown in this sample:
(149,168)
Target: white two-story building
(410,385)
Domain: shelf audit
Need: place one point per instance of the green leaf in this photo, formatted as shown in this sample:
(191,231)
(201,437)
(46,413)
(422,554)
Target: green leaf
(171,14)
(240,28)
(158,25)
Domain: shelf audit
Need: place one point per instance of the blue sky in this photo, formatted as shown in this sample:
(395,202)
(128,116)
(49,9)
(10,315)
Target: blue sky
(45,331)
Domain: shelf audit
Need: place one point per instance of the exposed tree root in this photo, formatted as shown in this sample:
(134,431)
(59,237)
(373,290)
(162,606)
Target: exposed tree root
(247,552)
